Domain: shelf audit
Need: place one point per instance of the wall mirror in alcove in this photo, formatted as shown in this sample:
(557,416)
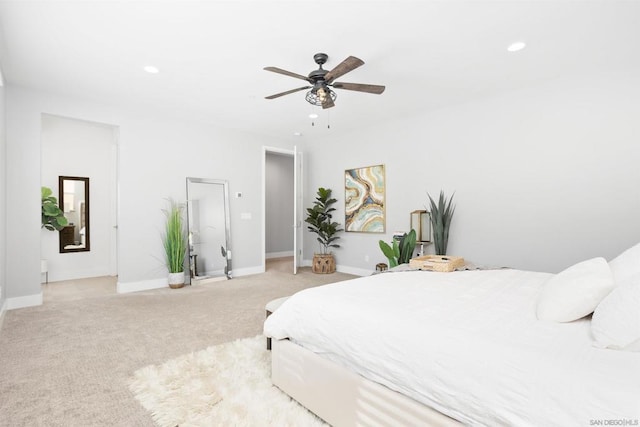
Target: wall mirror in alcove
(73,198)
(209,230)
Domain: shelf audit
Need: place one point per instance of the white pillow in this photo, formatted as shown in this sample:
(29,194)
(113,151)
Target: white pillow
(616,320)
(626,266)
(575,292)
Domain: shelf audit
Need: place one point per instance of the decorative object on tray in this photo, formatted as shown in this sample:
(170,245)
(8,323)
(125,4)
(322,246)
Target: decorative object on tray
(320,222)
(401,249)
(440,263)
(364,199)
(174,241)
(52,216)
(441,214)
(421,222)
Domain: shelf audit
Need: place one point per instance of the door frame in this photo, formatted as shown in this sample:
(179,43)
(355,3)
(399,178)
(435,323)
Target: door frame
(296,157)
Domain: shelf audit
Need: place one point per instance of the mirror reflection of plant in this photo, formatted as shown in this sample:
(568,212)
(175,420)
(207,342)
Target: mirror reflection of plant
(441,215)
(319,220)
(401,250)
(52,216)
(174,238)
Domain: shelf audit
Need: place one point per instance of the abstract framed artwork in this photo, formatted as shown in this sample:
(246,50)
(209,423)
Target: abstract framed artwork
(364,198)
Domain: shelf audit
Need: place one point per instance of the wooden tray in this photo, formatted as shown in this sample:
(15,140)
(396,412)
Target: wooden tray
(441,263)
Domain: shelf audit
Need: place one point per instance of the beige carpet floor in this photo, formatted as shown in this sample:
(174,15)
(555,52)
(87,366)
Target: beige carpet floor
(67,363)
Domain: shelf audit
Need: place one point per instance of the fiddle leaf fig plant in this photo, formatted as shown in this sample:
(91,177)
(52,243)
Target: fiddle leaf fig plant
(320,220)
(52,216)
(400,250)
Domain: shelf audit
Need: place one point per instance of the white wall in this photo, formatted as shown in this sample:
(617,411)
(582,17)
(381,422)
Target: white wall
(156,154)
(3,205)
(543,177)
(84,149)
(279,204)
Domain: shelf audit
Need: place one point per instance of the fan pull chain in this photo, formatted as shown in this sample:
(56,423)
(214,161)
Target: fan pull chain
(328,120)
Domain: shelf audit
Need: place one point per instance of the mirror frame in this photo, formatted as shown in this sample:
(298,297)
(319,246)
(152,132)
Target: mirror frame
(227,217)
(87,245)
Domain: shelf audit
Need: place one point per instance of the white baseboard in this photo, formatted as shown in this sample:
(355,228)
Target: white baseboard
(356,271)
(237,272)
(22,302)
(143,285)
(146,285)
(3,309)
(284,254)
(353,270)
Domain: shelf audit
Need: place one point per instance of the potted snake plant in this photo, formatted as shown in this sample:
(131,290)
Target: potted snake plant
(174,240)
(441,215)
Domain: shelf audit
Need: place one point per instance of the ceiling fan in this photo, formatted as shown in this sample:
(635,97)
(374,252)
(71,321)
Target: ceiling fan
(322,81)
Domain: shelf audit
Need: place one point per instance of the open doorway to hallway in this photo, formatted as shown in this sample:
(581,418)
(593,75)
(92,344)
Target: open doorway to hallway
(283,264)
(80,150)
(279,199)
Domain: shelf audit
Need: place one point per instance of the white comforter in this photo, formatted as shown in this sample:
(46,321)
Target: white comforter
(467,344)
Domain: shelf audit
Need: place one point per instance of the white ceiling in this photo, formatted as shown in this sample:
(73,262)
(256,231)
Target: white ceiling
(210,54)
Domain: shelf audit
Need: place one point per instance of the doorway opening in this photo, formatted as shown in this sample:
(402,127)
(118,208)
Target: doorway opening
(78,148)
(282,194)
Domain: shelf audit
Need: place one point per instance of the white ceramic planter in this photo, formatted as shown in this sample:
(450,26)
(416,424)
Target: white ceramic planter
(176,280)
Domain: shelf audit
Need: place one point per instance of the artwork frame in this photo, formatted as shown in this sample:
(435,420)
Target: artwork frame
(365,199)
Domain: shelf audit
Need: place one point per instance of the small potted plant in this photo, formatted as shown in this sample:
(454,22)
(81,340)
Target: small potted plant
(401,250)
(174,240)
(320,222)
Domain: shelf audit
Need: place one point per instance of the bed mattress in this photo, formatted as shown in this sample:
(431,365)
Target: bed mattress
(467,344)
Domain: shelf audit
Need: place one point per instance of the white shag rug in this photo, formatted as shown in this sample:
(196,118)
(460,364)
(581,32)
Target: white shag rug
(223,385)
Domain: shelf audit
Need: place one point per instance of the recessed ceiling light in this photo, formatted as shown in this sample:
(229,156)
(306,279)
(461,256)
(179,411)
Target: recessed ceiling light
(313,116)
(516,46)
(297,134)
(151,69)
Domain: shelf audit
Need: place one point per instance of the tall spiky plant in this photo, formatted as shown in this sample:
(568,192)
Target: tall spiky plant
(441,214)
(174,238)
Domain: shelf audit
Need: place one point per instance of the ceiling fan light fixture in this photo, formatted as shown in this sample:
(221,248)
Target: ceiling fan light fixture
(318,96)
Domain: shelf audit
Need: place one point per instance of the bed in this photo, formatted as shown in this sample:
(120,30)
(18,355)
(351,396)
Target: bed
(427,348)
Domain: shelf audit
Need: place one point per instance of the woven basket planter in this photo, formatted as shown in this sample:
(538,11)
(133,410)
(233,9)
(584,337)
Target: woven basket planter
(323,264)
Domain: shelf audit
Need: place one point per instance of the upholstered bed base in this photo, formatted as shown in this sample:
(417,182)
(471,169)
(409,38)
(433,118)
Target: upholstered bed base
(341,397)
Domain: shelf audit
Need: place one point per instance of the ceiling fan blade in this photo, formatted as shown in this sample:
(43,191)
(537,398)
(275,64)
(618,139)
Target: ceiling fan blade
(359,87)
(288,73)
(349,64)
(278,95)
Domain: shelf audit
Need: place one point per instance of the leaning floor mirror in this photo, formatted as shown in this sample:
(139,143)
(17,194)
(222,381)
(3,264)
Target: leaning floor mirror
(208,226)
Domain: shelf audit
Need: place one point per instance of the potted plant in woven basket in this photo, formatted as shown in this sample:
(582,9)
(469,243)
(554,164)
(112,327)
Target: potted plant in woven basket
(320,222)
(174,240)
